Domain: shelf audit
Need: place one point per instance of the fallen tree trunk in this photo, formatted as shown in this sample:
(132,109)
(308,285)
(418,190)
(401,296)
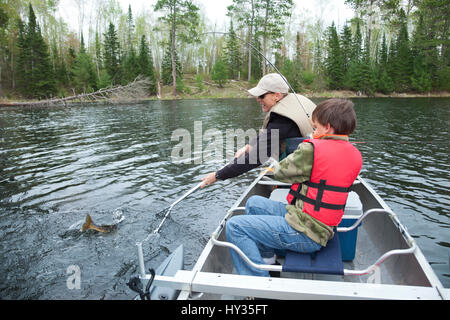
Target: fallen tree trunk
(132,92)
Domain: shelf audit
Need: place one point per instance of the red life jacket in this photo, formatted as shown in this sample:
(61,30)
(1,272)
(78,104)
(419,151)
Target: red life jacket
(336,166)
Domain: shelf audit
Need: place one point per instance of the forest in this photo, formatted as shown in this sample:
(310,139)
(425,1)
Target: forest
(389,46)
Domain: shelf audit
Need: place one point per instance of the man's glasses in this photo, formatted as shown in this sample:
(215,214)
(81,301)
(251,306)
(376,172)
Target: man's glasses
(264,95)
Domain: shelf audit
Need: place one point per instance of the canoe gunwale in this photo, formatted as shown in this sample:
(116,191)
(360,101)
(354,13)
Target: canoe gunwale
(212,276)
(369,269)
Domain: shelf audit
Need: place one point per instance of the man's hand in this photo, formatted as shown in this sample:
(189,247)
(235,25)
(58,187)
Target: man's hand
(210,178)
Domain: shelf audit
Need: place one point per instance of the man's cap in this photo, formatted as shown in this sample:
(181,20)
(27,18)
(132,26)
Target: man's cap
(272,82)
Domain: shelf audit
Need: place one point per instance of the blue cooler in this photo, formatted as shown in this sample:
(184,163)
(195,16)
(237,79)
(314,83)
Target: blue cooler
(353,210)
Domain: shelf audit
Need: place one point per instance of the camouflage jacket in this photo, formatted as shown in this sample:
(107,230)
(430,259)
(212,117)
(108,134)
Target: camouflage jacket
(297,168)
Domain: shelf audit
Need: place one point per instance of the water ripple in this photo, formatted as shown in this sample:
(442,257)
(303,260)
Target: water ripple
(57,165)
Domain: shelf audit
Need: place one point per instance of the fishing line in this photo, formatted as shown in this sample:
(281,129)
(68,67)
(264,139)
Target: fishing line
(268,61)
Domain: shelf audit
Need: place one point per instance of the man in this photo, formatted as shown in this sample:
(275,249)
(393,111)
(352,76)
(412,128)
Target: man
(287,117)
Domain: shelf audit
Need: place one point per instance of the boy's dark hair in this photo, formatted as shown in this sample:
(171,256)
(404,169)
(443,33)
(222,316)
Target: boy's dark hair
(339,113)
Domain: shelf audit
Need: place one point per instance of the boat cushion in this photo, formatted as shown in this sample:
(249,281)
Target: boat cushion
(327,260)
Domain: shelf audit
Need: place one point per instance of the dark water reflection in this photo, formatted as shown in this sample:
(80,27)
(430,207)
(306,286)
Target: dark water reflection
(57,165)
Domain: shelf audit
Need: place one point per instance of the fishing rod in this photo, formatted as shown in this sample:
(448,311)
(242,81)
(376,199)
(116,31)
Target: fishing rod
(173,205)
(169,209)
(268,61)
(156,231)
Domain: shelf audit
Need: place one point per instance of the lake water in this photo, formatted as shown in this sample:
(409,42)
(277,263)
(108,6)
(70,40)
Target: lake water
(59,164)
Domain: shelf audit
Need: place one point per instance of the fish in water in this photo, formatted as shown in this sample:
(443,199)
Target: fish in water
(104,228)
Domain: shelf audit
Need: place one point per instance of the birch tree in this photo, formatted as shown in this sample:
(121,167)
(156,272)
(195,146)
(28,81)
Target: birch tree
(182,18)
(274,14)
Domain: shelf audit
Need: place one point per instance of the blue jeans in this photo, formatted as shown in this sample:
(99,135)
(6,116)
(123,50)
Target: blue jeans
(261,232)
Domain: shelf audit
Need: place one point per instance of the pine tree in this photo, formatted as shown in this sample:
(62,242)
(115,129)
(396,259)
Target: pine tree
(293,69)
(3,25)
(384,83)
(369,81)
(59,67)
(22,60)
(98,55)
(219,72)
(403,66)
(232,53)
(346,47)
(436,45)
(257,71)
(104,80)
(71,57)
(130,29)
(145,63)
(84,75)
(292,72)
(131,67)
(318,65)
(356,76)
(37,79)
(245,12)
(333,62)
(421,77)
(357,44)
(111,54)
(383,53)
(166,67)
(130,62)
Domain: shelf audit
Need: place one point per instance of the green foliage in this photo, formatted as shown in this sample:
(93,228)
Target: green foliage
(3,16)
(271,17)
(181,87)
(84,76)
(264,22)
(166,67)
(385,84)
(346,47)
(409,51)
(111,57)
(183,19)
(131,67)
(232,53)
(308,78)
(104,80)
(199,81)
(257,60)
(334,62)
(356,44)
(219,72)
(421,78)
(443,79)
(292,70)
(145,64)
(35,74)
(402,62)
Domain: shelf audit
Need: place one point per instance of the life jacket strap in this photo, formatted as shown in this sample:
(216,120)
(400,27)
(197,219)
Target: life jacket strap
(328,187)
(317,203)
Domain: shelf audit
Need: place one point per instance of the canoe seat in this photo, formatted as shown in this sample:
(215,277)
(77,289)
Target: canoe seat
(327,260)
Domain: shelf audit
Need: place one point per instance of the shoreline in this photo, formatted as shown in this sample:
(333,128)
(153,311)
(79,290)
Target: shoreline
(237,89)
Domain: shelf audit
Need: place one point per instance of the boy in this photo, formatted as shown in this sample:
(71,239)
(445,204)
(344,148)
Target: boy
(321,172)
